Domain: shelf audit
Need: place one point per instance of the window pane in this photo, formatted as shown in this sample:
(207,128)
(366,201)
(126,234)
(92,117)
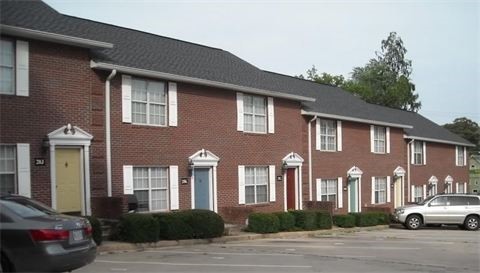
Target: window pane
(139,111)
(159,178)
(156,92)
(262,174)
(6,80)
(7,183)
(159,199)
(140,178)
(261,194)
(249,194)
(248,122)
(142,198)
(260,124)
(259,105)
(139,90)
(247,104)
(6,53)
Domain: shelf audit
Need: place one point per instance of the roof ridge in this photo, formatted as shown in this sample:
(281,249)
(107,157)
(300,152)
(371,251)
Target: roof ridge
(307,80)
(140,31)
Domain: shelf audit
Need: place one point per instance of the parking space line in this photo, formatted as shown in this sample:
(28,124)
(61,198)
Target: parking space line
(210,265)
(223,253)
(328,246)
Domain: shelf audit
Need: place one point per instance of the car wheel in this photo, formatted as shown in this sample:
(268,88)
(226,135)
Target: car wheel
(471,223)
(414,222)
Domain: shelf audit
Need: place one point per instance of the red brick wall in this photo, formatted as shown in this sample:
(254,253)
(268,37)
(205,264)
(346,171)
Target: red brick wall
(356,152)
(60,93)
(207,118)
(440,163)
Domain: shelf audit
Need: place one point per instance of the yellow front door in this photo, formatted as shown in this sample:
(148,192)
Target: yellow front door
(68,178)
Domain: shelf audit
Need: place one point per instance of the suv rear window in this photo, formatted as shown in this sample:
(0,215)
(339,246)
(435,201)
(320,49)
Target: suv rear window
(464,200)
(26,208)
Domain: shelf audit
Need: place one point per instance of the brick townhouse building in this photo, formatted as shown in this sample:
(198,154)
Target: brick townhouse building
(91,113)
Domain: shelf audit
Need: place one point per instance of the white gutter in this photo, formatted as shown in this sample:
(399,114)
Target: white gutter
(408,170)
(52,37)
(108,142)
(173,77)
(310,179)
(437,140)
(360,120)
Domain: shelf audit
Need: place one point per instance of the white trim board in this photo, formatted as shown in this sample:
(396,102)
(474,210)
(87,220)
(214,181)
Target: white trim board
(360,120)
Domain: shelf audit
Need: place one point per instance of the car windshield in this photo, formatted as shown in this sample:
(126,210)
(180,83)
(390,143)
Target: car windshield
(425,200)
(26,208)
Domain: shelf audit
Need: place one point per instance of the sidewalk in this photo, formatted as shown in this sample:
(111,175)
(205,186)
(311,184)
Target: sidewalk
(109,247)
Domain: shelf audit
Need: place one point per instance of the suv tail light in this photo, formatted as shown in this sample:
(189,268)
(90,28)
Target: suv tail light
(49,235)
(88,230)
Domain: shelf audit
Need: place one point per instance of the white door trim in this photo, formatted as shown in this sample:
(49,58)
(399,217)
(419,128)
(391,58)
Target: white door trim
(205,159)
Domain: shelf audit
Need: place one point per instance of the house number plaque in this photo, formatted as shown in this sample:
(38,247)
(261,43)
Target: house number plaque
(39,161)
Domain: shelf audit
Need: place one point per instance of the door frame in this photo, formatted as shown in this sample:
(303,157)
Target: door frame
(399,177)
(293,161)
(71,137)
(354,175)
(204,159)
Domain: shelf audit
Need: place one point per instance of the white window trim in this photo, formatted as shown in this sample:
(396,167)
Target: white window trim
(15,169)
(253,114)
(267,184)
(457,163)
(150,188)
(335,135)
(423,153)
(150,103)
(374,190)
(337,193)
(373,139)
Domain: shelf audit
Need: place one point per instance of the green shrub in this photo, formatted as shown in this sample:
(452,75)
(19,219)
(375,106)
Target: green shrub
(173,226)
(137,228)
(365,219)
(96,229)
(345,220)
(263,223)
(204,223)
(287,221)
(305,219)
(324,220)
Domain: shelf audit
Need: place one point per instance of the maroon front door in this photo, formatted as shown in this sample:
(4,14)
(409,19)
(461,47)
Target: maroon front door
(291,188)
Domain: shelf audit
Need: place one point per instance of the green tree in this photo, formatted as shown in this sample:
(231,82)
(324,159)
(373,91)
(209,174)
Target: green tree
(324,78)
(468,129)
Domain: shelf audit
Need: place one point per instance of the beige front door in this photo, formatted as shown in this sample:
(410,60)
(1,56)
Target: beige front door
(68,179)
(398,192)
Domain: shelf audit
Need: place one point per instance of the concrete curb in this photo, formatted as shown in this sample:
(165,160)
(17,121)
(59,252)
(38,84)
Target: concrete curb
(110,247)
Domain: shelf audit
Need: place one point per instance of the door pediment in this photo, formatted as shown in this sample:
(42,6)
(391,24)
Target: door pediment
(69,135)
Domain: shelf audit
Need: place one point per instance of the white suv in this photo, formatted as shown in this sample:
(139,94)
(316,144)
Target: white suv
(451,209)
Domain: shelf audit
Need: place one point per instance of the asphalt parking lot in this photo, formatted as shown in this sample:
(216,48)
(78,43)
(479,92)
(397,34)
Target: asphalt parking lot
(389,250)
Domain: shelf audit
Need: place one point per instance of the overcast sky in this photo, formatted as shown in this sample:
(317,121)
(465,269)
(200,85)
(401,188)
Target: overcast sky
(442,37)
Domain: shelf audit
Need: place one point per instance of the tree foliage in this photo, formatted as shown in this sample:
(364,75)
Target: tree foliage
(466,128)
(384,80)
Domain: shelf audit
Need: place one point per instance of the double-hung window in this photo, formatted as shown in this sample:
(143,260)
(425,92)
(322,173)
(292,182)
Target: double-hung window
(328,135)
(418,152)
(461,156)
(254,114)
(256,185)
(328,190)
(418,194)
(8,169)
(149,102)
(380,190)
(7,67)
(150,186)
(379,139)
(461,188)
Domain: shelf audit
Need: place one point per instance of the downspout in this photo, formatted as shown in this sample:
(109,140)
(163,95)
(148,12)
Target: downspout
(408,170)
(310,158)
(108,142)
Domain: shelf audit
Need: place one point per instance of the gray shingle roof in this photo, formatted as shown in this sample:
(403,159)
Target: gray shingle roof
(137,49)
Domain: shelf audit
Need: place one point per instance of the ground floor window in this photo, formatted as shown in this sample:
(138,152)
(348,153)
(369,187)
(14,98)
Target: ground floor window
(328,190)
(433,189)
(461,188)
(380,190)
(418,194)
(448,187)
(150,186)
(8,163)
(256,185)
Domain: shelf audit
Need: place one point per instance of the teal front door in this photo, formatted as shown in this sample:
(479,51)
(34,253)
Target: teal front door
(353,195)
(202,188)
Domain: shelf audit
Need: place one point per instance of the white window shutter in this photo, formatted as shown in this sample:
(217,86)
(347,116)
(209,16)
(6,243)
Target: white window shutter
(387,131)
(388,189)
(372,140)
(317,137)
(412,193)
(22,67)
(241,185)
(240,112)
(340,192)
(339,135)
(373,190)
(465,187)
(271,116)
(23,168)
(424,153)
(126,99)
(456,187)
(319,189)
(271,172)
(174,191)
(424,191)
(464,156)
(456,155)
(127,179)
(412,152)
(172,104)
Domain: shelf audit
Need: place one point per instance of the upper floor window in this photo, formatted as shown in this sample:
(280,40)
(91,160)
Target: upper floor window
(461,158)
(379,139)
(256,185)
(380,189)
(418,152)
(149,102)
(8,169)
(150,186)
(254,114)
(7,66)
(328,135)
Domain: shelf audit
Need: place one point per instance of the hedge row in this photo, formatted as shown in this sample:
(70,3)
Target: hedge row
(188,224)
(311,220)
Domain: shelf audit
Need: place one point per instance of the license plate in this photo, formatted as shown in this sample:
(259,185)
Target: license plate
(77,235)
